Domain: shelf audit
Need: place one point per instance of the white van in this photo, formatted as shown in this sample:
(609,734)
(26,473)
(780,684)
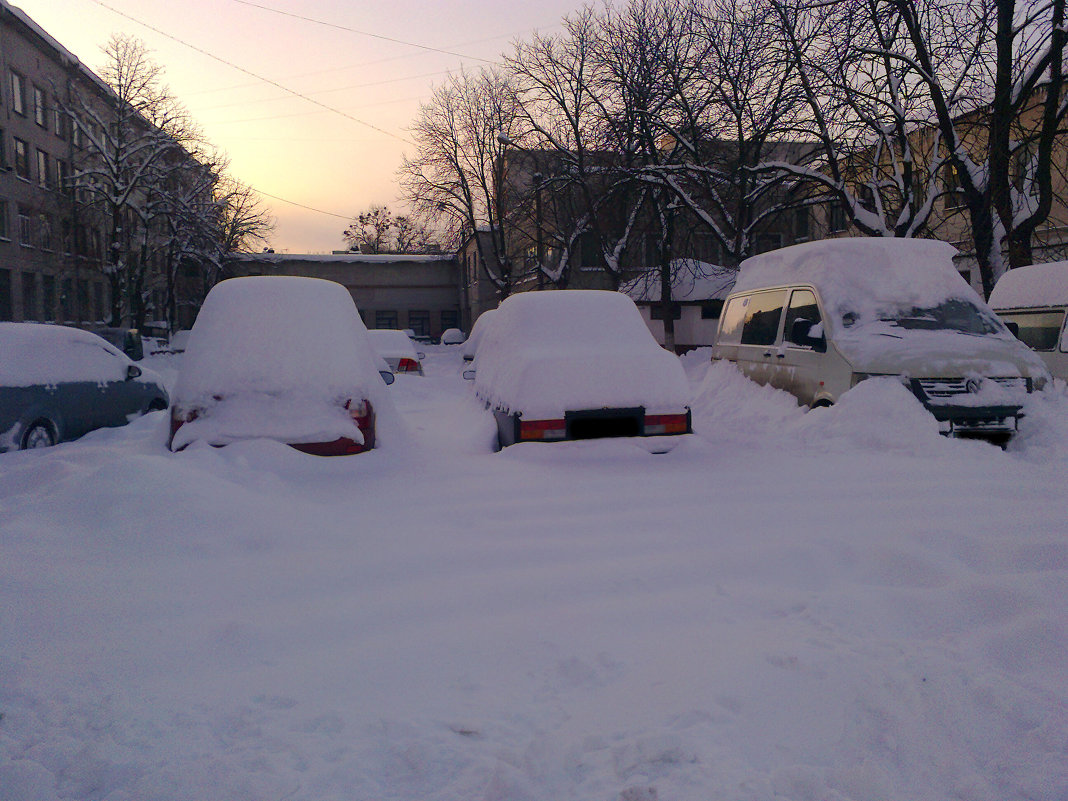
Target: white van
(815,319)
(1032,301)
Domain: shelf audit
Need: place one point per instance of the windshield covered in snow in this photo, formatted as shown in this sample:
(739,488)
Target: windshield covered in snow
(952,315)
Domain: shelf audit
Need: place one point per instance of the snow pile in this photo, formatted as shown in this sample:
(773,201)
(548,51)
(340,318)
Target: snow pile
(551,352)
(1034,286)
(782,609)
(34,353)
(277,357)
(866,278)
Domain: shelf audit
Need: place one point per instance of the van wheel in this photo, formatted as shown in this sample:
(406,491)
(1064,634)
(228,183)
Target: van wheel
(822,404)
(38,435)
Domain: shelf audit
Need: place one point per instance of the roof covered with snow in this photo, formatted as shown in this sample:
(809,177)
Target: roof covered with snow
(344,258)
(691,281)
(863,276)
(1037,285)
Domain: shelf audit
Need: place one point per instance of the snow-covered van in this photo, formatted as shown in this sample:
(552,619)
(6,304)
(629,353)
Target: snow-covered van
(1032,302)
(816,319)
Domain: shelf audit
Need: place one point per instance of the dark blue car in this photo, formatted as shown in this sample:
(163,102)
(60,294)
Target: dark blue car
(58,383)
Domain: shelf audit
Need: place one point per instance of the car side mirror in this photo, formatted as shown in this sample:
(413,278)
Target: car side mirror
(469,375)
(387,376)
(1014,329)
(132,372)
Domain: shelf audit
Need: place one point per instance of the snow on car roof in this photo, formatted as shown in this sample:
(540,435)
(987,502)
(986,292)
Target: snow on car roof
(478,330)
(863,275)
(1033,286)
(567,350)
(277,334)
(36,353)
(391,342)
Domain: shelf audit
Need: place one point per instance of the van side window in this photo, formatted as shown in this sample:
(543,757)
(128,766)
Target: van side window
(730,328)
(1038,330)
(761,326)
(803,306)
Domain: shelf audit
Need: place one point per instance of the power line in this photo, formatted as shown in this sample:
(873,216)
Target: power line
(301,205)
(252,74)
(361,33)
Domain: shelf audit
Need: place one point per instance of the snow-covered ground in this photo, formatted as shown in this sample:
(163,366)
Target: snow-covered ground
(832,606)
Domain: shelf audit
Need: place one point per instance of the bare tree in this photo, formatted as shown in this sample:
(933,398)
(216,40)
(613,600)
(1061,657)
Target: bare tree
(128,140)
(369,231)
(459,162)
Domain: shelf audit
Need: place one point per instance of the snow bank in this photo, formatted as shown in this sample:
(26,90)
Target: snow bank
(865,277)
(551,352)
(1035,286)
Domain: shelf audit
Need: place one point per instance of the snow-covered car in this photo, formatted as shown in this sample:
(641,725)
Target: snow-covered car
(397,349)
(1033,302)
(478,330)
(279,357)
(577,364)
(452,336)
(58,383)
(816,319)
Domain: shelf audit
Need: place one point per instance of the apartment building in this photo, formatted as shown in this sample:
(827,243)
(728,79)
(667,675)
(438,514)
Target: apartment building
(50,256)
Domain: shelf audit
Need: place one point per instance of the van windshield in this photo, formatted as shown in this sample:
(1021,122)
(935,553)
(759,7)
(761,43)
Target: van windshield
(952,315)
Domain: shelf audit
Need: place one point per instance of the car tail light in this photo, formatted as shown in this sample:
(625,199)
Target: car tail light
(179,417)
(542,429)
(408,366)
(656,424)
(363,413)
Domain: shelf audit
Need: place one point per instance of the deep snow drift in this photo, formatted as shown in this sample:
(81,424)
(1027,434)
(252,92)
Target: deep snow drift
(829,606)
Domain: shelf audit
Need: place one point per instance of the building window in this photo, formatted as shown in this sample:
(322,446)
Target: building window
(802,225)
(5,294)
(22,159)
(951,185)
(450,319)
(419,322)
(766,242)
(3,220)
(589,250)
(66,299)
(44,170)
(711,309)
(29,296)
(836,218)
(60,123)
(385,318)
(25,227)
(706,248)
(98,301)
(48,297)
(18,93)
(40,108)
(46,232)
(656,311)
(3,150)
(63,182)
(83,298)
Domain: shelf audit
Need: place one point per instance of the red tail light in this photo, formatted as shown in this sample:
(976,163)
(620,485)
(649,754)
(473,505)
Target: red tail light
(656,424)
(542,429)
(408,366)
(364,414)
(179,418)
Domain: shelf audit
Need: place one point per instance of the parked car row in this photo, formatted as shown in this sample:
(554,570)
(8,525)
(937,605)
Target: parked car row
(289,358)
